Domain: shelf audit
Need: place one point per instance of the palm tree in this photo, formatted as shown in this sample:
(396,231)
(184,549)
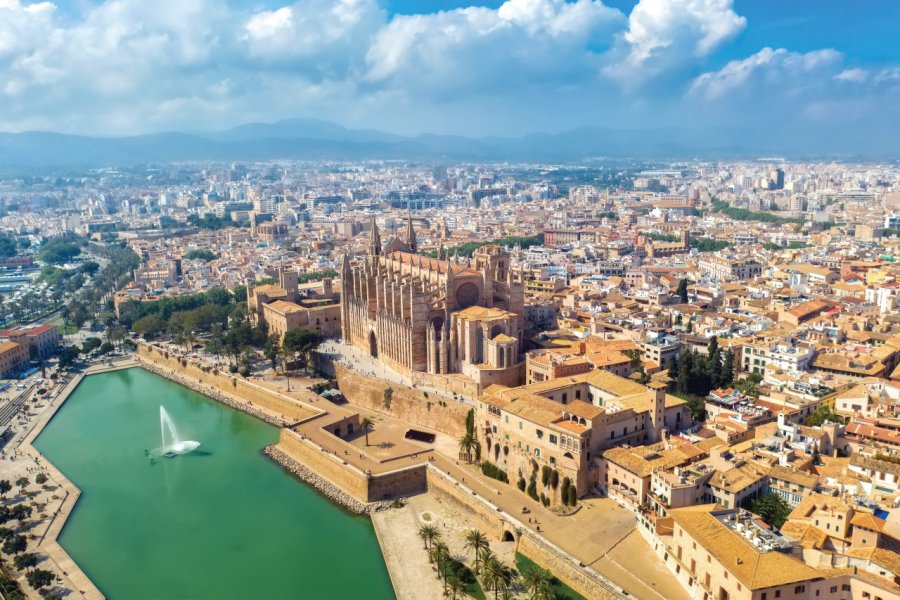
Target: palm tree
(454,586)
(429,534)
(478,543)
(440,554)
(467,444)
(538,583)
(367,425)
(496,575)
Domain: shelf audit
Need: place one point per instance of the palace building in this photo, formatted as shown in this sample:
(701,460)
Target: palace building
(435,316)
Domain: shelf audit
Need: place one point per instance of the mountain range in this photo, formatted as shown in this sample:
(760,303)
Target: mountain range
(308,139)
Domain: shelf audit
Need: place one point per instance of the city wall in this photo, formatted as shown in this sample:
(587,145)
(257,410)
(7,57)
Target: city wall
(484,515)
(363,487)
(415,406)
(227,383)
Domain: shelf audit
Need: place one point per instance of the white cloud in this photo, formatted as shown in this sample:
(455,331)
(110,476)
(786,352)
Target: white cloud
(768,70)
(667,34)
(125,66)
(852,75)
(334,33)
(523,42)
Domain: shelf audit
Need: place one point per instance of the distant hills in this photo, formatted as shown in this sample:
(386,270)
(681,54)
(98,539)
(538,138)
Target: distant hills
(306,139)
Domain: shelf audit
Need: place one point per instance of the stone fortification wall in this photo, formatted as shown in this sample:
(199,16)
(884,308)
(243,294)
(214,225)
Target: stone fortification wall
(190,374)
(567,568)
(362,488)
(414,406)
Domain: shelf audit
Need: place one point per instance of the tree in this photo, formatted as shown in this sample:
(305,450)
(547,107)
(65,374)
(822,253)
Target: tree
(714,363)
(367,424)
(39,578)
(682,290)
(20,512)
(467,444)
(90,344)
(686,363)
(272,348)
(538,583)
(727,368)
(15,544)
(429,534)
(5,487)
(67,356)
(149,326)
(673,375)
(299,342)
(772,508)
(478,543)
(59,251)
(823,413)
(27,560)
(455,585)
(497,575)
(22,483)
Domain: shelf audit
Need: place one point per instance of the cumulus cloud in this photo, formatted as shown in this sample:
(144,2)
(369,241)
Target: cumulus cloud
(766,70)
(669,34)
(126,66)
(324,36)
(523,42)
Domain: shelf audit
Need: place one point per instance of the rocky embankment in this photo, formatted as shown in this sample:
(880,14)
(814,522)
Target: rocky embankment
(213,393)
(325,487)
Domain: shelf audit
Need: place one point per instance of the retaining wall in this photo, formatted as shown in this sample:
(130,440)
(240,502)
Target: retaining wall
(362,487)
(293,411)
(411,405)
(564,566)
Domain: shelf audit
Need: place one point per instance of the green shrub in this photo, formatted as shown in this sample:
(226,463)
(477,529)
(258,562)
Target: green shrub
(532,489)
(494,472)
(572,496)
(545,475)
(521,484)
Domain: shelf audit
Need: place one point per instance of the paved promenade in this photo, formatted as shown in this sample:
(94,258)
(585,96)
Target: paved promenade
(54,501)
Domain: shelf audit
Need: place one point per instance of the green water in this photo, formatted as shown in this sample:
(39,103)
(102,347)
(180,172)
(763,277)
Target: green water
(222,522)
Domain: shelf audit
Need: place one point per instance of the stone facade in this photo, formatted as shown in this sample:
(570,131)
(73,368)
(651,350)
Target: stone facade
(438,316)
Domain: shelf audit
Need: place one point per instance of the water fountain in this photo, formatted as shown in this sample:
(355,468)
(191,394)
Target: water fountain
(175,445)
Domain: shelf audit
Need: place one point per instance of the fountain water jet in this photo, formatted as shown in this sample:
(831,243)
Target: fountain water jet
(175,445)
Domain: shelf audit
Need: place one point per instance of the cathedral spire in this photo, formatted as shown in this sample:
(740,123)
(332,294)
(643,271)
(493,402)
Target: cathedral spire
(345,267)
(410,233)
(374,239)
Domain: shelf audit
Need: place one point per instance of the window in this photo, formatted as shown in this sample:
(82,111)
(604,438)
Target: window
(833,589)
(778,593)
(565,397)
(799,589)
(540,434)
(578,394)
(520,425)
(552,439)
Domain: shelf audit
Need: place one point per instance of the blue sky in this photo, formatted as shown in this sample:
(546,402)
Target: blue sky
(791,67)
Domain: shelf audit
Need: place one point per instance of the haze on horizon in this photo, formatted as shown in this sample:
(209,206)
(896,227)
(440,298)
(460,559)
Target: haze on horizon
(122,67)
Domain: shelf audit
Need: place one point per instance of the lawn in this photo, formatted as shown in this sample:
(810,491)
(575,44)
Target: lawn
(563,592)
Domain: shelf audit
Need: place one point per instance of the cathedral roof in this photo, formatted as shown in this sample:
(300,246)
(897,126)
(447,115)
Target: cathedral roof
(441,266)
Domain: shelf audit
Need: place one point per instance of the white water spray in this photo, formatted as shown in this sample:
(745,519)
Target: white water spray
(172,444)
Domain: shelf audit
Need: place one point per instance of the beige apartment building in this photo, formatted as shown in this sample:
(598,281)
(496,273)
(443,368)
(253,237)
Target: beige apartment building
(567,423)
(731,555)
(13,356)
(722,268)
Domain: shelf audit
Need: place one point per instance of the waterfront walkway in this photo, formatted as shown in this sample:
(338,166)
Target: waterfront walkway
(55,500)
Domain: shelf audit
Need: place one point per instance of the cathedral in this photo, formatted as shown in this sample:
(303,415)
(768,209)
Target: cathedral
(435,316)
